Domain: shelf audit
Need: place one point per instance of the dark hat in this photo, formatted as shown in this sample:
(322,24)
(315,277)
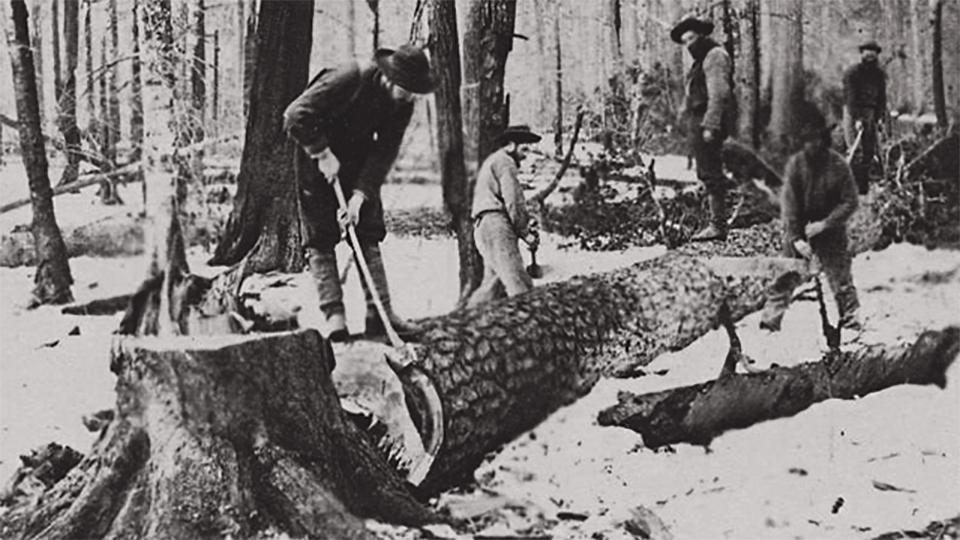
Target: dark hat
(520,134)
(812,121)
(871,45)
(700,26)
(406,67)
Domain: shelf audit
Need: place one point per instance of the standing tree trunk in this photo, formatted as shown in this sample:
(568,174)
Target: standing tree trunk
(67,96)
(36,43)
(747,72)
(198,89)
(936,61)
(375,9)
(90,87)
(249,57)
(351,28)
(488,39)
(558,78)
(916,45)
(215,106)
(787,72)
(136,95)
(264,226)
(52,276)
(457,188)
(113,100)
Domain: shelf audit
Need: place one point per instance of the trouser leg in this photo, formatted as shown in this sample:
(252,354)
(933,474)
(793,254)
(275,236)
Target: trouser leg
(503,266)
(836,263)
(323,269)
(778,300)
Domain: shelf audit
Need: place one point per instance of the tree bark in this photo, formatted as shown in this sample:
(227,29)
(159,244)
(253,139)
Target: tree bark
(52,276)
(136,93)
(457,187)
(224,436)
(88,67)
(198,89)
(698,413)
(558,81)
(488,39)
(917,75)
(113,98)
(936,62)
(787,73)
(67,95)
(249,57)
(36,43)
(748,72)
(264,226)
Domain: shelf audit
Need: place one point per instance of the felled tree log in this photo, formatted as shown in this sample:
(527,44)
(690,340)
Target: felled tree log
(698,413)
(227,435)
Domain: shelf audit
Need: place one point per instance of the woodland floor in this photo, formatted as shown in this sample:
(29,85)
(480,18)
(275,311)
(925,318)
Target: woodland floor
(841,469)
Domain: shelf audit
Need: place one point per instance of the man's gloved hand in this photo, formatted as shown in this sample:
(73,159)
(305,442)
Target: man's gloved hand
(327,163)
(351,214)
(814,228)
(803,248)
(858,125)
(707,135)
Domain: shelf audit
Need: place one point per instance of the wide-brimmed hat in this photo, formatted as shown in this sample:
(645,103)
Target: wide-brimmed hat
(872,45)
(520,134)
(698,25)
(407,67)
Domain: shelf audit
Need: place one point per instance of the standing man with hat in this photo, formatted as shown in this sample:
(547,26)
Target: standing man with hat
(709,108)
(351,119)
(500,218)
(819,196)
(864,107)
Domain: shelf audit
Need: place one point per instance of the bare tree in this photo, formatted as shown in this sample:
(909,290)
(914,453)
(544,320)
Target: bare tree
(89,89)
(787,71)
(36,43)
(113,88)
(198,88)
(747,71)
(936,61)
(249,56)
(52,276)
(917,75)
(136,91)
(558,80)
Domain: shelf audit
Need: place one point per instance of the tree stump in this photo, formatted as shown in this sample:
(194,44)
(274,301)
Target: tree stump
(226,435)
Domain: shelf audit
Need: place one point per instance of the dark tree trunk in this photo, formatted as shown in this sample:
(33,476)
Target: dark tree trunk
(457,188)
(375,9)
(936,62)
(52,277)
(215,106)
(36,43)
(113,99)
(136,92)
(558,78)
(264,226)
(67,95)
(198,89)
(696,414)
(488,39)
(249,58)
(747,72)
(787,73)
(90,86)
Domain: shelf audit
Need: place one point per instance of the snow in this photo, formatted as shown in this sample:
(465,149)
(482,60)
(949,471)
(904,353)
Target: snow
(777,479)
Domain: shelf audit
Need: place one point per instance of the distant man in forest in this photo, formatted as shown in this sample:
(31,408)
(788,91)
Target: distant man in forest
(864,107)
(709,109)
(351,119)
(500,218)
(819,196)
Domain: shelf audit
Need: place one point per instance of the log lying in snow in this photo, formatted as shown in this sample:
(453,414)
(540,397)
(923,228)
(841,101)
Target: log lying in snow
(696,414)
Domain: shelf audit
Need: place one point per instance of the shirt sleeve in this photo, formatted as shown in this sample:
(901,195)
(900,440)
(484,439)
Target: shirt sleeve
(848,194)
(513,202)
(790,208)
(308,118)
(716,68)
(384,152)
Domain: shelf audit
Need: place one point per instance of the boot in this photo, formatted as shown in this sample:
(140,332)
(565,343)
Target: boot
(717,229)
(323,269)
(374,325)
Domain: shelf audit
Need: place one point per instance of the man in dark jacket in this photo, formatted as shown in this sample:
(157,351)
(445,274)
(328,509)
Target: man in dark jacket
(864,107)
(709,109)
(819,196)
(351,119)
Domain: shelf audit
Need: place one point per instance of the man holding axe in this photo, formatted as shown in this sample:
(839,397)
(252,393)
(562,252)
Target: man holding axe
(500,218)
(819,196)
(351,119)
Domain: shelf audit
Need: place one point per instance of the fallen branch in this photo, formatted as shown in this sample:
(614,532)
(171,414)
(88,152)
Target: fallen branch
(93,159)
(698,413)
(100,306)
(90,179)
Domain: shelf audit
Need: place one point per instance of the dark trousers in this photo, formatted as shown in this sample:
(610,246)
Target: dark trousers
(830,247)
(708,155)
(864,156)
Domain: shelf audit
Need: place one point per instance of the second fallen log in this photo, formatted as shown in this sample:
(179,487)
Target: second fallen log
(698,413)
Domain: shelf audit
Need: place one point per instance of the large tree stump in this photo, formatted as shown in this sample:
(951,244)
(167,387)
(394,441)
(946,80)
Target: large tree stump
(698,413)
(226,435)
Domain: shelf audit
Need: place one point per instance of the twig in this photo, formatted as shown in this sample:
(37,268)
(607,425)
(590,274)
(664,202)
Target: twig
(539,197)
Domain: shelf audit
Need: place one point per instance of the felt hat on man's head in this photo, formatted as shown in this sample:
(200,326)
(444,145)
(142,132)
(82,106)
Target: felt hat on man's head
(407,67)
(698,25)
(812,121)
(871,45)
(520,134)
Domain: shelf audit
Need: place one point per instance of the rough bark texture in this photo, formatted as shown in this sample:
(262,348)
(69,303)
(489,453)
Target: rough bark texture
(698,413)
(747,72)
(457,187)
(264,225)
(136,91)
(67,95)
(558,81)
(936,62)
(113,98)
(52,277)
(228,436)
(487,40)
(787,72)
(198,90)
